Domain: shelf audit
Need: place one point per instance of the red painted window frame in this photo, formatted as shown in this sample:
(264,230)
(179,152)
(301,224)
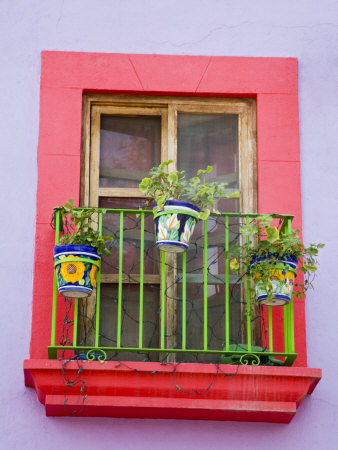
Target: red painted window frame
(66,76)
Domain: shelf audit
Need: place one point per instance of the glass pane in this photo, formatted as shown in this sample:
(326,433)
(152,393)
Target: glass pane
(130,320)
(129,147)
(131,238)
(210,139)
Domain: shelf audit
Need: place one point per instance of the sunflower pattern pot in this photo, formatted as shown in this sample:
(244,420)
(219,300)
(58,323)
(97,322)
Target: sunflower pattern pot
(174,225)
(281,283)
(76,268)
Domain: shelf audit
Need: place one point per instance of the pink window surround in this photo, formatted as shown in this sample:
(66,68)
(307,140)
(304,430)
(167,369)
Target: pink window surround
(66,76)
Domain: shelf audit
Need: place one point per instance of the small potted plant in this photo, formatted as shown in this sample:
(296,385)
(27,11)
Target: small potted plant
(270,257)
(175,218)
(78,258)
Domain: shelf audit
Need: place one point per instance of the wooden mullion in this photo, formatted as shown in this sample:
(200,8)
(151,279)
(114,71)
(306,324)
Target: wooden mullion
(171,258)
(172,136)
(120,192)
(129,110)
(212,108)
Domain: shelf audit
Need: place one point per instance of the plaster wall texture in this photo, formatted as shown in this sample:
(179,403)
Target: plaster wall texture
(305,29)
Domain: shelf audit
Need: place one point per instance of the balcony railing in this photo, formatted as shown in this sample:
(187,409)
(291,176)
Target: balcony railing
(252,335)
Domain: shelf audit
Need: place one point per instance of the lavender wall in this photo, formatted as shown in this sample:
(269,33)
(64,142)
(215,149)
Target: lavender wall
(306,29)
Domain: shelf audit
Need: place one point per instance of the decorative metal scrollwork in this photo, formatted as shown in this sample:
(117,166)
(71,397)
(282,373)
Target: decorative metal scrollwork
(94,355)
(250,359)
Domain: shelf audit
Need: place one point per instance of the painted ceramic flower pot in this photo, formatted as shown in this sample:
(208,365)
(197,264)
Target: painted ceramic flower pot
(280,283)
(76,268)
(174,225)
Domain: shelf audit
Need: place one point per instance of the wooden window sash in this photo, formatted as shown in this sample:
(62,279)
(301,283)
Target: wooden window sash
(94,191)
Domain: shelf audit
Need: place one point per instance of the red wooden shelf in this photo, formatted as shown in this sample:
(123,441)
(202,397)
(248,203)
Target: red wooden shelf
(154,390)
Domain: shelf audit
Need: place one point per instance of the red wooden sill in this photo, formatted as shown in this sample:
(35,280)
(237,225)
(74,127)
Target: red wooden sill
(154,390)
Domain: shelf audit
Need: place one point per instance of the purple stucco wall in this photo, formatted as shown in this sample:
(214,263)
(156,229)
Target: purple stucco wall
(304,29)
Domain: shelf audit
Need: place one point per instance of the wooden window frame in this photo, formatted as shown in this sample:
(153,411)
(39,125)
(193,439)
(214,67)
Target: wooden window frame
(167,108)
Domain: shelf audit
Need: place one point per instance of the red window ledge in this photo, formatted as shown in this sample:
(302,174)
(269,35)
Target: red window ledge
(154,390)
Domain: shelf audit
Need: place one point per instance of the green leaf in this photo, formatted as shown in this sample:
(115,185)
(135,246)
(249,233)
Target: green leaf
(173,178)
(272,234)
(166,163)
(203,215)
(108,238)
(205,171)
(160,200)
(233,195)
(69,203)
(145,184)
(234,265)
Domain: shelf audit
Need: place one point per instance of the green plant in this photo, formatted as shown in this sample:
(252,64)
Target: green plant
(264,253)
(163,185)
(78,227)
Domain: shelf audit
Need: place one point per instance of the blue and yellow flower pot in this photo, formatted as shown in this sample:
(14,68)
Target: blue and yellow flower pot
(174,225)
(76,269)
(280,281)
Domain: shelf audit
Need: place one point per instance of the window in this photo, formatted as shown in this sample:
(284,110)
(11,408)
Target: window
(128,136)
(139,389)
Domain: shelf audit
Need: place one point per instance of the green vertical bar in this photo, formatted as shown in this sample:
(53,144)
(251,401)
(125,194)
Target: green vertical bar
(288,335)
(289,225)
(98,293)
(292,328)
(140,330)
(55,293)
(286,328)
(55,284)
(162,298)
(119,306)
(98,298)
(57,227)
(205,287)
(227,314)
(184,300)
(270,329)
(291,310)
(76,309)
(248,299)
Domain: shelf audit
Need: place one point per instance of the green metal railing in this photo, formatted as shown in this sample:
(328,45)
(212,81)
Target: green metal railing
(246,351)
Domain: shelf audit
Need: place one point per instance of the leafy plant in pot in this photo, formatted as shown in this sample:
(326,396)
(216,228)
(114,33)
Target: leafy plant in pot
(270,257)
(175,217)
(78,258)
